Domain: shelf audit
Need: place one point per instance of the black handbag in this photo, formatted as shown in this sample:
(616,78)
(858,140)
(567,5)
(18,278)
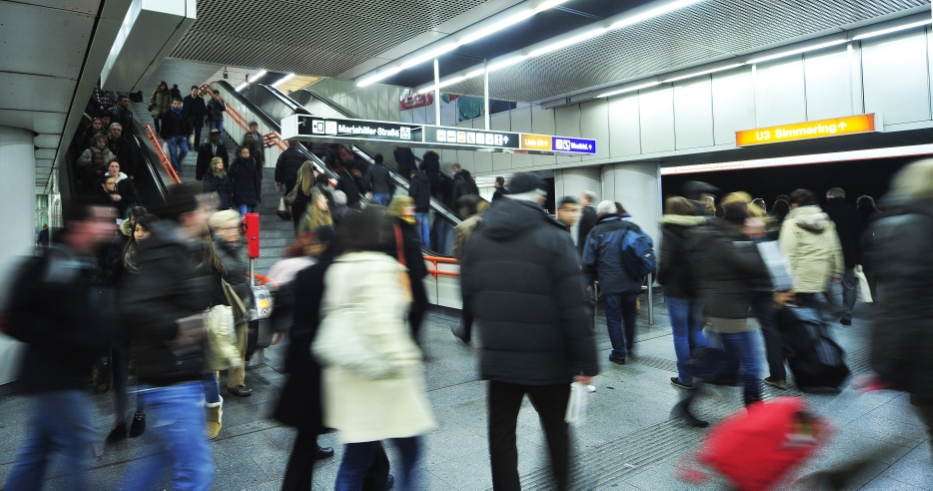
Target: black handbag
(283,211)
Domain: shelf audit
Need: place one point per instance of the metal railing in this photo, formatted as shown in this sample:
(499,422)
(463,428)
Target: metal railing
(166,163)
(270,139)
(435,260)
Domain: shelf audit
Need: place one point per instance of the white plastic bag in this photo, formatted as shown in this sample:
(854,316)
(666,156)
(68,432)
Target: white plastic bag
(577,406)
(864,292)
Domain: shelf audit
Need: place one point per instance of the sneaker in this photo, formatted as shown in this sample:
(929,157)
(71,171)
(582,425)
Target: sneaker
(780,384)
(138,426)
(676,381)
(618,360)
(846,321)
(240,390)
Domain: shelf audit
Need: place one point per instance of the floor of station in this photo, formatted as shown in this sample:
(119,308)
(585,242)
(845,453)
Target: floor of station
(628,443)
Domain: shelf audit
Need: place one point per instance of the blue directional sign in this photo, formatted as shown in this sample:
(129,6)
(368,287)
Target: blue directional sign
(573,145)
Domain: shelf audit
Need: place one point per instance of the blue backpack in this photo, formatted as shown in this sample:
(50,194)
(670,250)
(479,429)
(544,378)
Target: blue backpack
(638,257)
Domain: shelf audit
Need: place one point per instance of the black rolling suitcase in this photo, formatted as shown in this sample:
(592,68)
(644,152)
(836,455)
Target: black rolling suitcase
(815,359)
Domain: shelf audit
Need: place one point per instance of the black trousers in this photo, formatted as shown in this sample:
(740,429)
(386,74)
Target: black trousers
(299,475)
(550,401)
(196,126)
(765,313)
(415,319)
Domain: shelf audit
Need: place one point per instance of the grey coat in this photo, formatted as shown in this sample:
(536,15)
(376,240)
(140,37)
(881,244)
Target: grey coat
(236,267)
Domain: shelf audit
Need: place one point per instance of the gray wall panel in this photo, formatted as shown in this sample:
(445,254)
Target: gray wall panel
(501,122)
(566,123)
(624,126)
(693,113)
(779,92)
(894,71)
(521,123)
(829,86)
(395,95)
(382,103)
(594,123)
(542,123)
(482,161)
(657,119)
(733,104)
(406,116)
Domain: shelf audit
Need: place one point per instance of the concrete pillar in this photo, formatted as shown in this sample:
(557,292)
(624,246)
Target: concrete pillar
(637,187)
(570,182)
(17,222)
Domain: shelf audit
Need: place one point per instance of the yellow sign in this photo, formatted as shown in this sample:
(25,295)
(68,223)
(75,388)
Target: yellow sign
(536,142)
(848,125)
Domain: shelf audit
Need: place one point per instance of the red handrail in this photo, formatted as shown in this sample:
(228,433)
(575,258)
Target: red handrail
(263,279)
(166,163)
(271,138)
(435,260)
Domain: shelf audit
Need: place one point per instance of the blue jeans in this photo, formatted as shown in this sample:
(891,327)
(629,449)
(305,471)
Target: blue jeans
(177,150)
(211,388)
(424,228)
(687,327)
(743,347)
(382,199)
(620,309)
(176,417)
(218,125)
(58,422)
(358,456)
(244,209)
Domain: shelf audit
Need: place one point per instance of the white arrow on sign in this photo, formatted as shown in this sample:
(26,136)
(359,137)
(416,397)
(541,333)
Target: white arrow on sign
(505,139)
(843,125)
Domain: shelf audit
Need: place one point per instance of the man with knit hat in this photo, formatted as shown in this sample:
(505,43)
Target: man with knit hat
(521,278)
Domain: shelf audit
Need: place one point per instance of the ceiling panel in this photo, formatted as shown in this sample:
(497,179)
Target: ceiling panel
(703,32)
(35,92)
(43,41)
(39,122)
(85,6)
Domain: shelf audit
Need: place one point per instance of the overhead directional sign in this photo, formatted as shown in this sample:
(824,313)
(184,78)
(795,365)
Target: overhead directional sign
(469,137)
(862,123)
(303,126)
(358,129)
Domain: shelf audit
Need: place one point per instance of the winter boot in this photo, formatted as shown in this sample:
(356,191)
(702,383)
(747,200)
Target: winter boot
(752,397)
(215,412)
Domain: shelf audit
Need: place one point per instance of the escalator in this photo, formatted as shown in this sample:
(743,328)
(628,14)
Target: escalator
(271,106)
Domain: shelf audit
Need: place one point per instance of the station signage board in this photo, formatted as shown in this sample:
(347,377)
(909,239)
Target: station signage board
(468,137)
(848,125)
(558,144)
(357,129)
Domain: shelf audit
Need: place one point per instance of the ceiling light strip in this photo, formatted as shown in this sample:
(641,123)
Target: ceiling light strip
(629,89)
(892,29)
(283,80)
(704,72)
(253,78)
(797,51)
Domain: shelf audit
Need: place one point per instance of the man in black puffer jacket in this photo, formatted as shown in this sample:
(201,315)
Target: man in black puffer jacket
(522,280)
(287,166)
(157,307)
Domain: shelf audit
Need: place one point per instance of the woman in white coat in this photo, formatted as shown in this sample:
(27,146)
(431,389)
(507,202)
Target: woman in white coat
(373,380)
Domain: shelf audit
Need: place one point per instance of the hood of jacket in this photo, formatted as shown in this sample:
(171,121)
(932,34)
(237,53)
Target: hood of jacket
(125,228)
(810,218)
(421,176)
(219,174)
(683,220)
(512,218)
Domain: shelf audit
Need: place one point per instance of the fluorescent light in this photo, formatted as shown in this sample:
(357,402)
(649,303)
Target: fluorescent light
(241,86)
(796,51)
(430,55)
(549,5)
(655,12)
(579,38)
(629,89)
(892,29)
(283,79)
(704,72)
(498,26)
(379,76)
(474,73)
(509,62)
(445,83)
(258,74)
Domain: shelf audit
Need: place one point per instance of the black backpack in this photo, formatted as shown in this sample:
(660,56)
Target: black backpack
(815,359)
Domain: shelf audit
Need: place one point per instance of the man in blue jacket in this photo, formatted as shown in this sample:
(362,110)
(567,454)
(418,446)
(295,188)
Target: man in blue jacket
(602,260)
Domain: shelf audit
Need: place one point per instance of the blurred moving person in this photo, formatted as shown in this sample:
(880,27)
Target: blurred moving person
(471,207)
(245,182)
(811,246)
(288,169)
(568,212)
(300,402)
(66,321)
(299,194)
(866,207)
(603,260)
(501,190)
(703,196)
(373,376)
(521,279)
(849,228)
(316,213)
(406,247)
(902,333)
(160,307)
(231,252)
(419,189)
(588,218)
(677,273)
(378,180)
(729,267)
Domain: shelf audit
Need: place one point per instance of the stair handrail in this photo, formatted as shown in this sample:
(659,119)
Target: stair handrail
(435,260)
(269,139)
(166,163)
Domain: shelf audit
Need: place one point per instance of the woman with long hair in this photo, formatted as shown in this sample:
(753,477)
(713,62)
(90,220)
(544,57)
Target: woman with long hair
(300,195)
(317,214)
(405,246)
(373,376)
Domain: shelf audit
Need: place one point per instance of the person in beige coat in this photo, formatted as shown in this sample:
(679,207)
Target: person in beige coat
(373,381)
(811,246)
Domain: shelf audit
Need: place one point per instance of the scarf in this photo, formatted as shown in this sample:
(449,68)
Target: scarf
(409,220)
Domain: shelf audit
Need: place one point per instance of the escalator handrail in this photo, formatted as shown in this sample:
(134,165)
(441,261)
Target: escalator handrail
(400,181)
(160,153)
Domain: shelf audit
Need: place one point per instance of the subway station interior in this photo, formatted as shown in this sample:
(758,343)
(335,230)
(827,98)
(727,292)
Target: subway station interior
(631,101)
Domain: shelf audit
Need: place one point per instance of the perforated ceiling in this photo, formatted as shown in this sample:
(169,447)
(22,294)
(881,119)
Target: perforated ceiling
(315,37)
(708,30)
